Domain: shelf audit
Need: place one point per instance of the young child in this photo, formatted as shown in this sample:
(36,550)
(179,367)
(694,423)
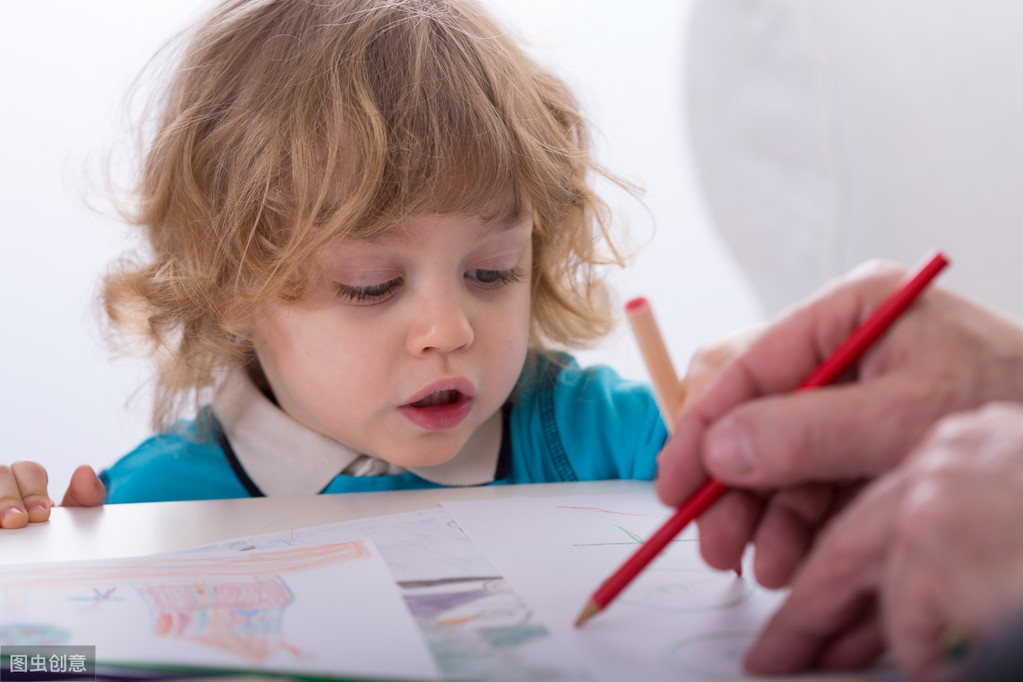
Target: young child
(368,226)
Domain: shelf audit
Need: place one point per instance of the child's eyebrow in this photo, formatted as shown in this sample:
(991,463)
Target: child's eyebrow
(497,224)
(505,222)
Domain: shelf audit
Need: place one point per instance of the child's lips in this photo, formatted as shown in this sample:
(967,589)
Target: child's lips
(442,405)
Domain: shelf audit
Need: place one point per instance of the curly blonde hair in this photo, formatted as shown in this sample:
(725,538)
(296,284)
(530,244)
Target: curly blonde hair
(289,124)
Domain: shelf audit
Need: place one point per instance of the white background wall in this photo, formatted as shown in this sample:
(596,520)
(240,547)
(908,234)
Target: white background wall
(829,132)
(65,67)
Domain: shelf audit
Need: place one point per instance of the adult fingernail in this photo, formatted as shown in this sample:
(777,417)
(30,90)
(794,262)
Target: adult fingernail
(729,449)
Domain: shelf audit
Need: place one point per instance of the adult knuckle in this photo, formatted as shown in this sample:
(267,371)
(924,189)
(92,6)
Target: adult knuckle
(923,405)
(844,556)
(956,431)
(710,357)
(877,269)
(1000,410)
(924,512)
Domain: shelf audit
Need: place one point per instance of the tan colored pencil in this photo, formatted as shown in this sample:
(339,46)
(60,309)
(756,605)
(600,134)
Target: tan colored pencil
(667,391)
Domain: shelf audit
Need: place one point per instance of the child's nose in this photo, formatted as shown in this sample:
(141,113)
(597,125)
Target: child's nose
(440,325)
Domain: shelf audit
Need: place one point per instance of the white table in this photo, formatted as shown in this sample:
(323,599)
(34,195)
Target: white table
(119,530)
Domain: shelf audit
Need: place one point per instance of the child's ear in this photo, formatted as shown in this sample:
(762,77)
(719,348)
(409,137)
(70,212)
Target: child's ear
(241,325)
(240,321)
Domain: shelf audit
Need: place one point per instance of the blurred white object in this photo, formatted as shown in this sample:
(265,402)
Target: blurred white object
(828,132)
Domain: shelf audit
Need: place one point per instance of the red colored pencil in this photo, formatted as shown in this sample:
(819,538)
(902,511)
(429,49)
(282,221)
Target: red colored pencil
(832,368)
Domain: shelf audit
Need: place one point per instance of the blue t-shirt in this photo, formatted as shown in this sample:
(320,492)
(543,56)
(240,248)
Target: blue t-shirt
(562,423)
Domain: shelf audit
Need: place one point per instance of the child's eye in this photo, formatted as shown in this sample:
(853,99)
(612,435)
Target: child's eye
(492,279)
(367,295)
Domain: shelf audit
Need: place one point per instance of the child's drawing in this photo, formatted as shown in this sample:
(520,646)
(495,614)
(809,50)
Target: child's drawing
(477,628)
(556,551)
(98,598)
(472,621)
(243,618)
(275,609)
(687,590)
(676,584)
(475,624)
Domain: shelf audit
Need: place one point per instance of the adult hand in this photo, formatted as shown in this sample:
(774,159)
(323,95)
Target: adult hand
(24,498)
(932,548)
(798,457)
(710,360)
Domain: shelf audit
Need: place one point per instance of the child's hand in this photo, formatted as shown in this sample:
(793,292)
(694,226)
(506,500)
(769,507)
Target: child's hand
(24,498)
(85,489)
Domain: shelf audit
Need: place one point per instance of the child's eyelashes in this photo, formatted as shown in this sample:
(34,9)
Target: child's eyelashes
(378,293)
(366,295)
(492,279)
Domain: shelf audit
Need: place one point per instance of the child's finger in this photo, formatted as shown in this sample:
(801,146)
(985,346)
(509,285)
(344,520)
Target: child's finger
(12,507)
(32,481)
(85,489)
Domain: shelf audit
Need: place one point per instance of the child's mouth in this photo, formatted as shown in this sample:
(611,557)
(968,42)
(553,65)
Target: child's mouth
(438,398)
(438,411)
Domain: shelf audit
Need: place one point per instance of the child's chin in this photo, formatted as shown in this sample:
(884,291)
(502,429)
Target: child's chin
(426,457)
(434,460)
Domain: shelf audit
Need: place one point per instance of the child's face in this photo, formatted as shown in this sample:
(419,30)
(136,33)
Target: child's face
(411,339)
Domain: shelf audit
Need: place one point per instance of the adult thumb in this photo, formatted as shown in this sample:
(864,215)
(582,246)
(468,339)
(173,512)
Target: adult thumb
(830,434)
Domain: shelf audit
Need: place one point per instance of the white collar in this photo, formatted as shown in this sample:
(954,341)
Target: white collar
(283,457)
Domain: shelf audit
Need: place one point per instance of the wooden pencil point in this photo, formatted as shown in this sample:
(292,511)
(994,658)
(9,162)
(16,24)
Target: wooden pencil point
(589,611)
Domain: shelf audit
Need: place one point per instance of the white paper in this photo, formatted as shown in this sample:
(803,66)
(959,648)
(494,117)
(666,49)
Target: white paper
(679,620)
(483,590)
